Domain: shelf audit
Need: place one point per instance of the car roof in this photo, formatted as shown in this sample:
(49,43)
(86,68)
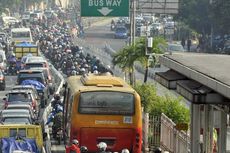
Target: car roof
(19,91)
(23,86)
(18,105)
(17,116)
(30,71)
(14,110)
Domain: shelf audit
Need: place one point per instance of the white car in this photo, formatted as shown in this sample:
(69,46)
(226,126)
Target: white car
(174,47)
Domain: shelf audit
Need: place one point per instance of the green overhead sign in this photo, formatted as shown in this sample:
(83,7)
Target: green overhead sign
(97,8)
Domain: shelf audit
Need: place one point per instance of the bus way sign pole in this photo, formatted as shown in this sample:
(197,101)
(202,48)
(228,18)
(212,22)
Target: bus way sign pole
(100,8)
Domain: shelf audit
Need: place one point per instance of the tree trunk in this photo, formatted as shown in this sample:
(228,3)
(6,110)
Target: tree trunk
(130,78)
(146,74)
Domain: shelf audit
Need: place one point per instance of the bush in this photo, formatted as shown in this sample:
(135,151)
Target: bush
(155,105)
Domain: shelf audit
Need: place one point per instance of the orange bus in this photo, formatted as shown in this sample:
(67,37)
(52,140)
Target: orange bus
(102,108)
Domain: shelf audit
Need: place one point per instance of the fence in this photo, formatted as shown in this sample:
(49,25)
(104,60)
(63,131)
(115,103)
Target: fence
(159,131)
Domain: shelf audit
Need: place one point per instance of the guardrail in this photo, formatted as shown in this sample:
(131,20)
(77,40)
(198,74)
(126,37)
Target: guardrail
(59,81)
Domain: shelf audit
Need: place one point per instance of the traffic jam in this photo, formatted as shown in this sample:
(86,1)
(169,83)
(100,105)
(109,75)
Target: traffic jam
(32,51)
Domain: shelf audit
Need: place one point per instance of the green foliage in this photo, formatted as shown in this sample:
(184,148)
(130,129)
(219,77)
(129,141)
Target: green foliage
(148,95)
(201,14)
(221,15)
(196,13)
(155,105)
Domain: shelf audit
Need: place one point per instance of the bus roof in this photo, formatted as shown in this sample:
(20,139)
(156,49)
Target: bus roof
(91,82)
(20,29)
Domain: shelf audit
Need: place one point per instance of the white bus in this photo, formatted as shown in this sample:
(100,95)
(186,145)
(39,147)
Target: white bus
(19,35)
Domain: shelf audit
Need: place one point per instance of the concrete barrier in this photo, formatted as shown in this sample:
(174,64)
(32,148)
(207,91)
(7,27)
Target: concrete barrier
(58,81)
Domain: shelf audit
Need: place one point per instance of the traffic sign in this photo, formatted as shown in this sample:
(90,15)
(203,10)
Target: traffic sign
(182,126)
(97,8)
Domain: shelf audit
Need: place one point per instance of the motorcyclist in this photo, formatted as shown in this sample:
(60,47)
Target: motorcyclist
(125,151)
(57,121)
(102,146)
(57,100)
(84,149)
(74,148)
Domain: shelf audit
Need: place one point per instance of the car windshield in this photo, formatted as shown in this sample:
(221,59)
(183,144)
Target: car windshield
(22,97)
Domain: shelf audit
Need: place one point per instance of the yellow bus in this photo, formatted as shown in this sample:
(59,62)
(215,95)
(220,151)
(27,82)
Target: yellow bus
(102,108)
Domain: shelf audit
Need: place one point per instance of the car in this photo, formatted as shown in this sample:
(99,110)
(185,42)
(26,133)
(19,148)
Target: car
(48,77)
(17,106)
(15,112)
(3,64)
(2,81)
(17,119)
(21,97)
(175,47)
(35,61)
(121,32)
(37,75)
(34,74)
(26,87)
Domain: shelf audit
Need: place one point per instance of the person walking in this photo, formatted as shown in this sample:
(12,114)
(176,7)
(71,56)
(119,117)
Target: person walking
(183,42)
(189,42)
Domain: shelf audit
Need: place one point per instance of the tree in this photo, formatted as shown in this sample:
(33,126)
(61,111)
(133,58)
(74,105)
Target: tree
(196,14)
(155,105)
(221,16)
(126,57)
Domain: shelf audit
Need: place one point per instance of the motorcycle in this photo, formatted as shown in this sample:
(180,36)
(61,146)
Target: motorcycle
(59,135)
(12,70)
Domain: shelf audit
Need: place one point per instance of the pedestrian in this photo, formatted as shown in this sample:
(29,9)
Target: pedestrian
(189,42)
(74,148)
(183,42)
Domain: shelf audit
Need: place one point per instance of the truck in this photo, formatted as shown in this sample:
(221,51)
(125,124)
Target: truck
(24,48)
(22,138)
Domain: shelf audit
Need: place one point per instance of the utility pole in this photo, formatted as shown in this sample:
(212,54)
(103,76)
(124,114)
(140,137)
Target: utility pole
(132,22)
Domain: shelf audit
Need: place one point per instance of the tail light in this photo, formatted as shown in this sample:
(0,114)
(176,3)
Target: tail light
(138,138)
(34,105)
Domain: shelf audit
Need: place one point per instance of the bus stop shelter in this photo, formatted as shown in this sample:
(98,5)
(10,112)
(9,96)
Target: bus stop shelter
(204,80)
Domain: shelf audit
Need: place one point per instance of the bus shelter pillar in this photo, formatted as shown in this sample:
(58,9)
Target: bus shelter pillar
(206,130)
(195,128)
(208,126)
(222,134)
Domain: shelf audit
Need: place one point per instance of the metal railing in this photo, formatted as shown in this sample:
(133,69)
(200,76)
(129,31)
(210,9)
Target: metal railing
(160,131)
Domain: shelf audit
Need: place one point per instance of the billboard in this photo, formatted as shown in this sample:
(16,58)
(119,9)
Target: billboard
(158,6)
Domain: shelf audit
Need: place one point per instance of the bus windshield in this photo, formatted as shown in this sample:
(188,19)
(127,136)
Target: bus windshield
(106,102)
(20,34)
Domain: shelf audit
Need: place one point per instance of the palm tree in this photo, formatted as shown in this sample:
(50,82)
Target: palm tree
(126,57)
